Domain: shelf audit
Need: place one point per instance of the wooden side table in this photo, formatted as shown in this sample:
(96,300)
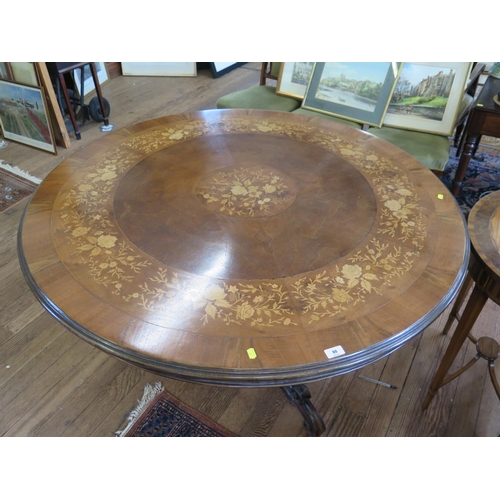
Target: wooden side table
(484,119)
(484,273)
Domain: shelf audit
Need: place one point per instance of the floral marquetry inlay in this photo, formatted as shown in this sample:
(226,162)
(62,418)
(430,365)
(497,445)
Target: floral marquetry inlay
(369,270)
(96,247)
(263,305)
(247,192)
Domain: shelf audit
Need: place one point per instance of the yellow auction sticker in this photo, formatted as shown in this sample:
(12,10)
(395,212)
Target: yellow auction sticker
(251,353)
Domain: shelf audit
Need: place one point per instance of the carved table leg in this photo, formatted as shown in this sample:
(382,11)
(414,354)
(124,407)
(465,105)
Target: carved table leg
(300,397)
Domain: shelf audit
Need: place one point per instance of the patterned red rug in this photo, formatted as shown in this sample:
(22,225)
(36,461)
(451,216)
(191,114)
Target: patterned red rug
(14,187)
(160,414)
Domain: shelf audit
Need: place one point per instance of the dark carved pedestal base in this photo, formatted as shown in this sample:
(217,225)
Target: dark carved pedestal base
(300,397)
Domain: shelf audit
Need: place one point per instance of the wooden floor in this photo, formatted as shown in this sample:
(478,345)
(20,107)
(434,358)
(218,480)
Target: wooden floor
(53,384)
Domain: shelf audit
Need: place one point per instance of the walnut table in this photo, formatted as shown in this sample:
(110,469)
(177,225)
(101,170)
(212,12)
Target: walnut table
(244,248)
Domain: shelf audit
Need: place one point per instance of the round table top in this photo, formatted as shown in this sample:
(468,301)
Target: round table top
(243,247)
(484,229)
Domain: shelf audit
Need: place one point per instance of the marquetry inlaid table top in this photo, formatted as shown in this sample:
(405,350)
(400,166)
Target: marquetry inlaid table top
(484,229)
(243,247)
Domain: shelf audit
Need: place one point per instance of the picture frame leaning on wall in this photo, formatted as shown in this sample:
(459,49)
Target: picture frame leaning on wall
(356,91)
(294,78)
(427,96)
(24,117)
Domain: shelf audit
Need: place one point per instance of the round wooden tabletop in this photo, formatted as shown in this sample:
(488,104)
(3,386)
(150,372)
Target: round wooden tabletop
(484,229)
(243,247)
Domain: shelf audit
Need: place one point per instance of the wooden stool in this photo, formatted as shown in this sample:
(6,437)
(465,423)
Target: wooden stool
(484,273)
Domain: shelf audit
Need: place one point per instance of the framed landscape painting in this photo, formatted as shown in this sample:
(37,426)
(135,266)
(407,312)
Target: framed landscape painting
(427,96)
(23,116)
(357,91)
(294,78)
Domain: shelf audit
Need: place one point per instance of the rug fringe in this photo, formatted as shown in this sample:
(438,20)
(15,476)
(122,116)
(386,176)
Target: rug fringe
(149,394)
(19,172)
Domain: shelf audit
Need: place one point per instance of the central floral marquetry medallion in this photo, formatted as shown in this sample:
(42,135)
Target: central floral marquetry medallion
(247,191)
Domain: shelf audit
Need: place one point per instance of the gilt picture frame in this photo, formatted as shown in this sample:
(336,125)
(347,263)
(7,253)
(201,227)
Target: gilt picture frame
(427,96)
(24,117)
(356,91)
(294,78)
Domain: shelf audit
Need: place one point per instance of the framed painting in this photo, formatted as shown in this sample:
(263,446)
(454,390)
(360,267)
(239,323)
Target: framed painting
(24,72)
(88,81)
(221,68)
(5,73)
(427,96)
(294,78)
(159,68)
(357,91)
(23,116)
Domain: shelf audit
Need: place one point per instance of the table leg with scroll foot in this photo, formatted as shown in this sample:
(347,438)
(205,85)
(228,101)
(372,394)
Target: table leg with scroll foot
(472,310)
(300,397)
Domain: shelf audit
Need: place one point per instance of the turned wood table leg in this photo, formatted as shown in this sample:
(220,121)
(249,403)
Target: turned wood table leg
(300,397)
(69,105)
(465,157)
(458,303)
(99,93)
(472,310)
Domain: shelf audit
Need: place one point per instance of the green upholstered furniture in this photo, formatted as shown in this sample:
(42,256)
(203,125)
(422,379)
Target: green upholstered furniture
(302,111)
(431,150)
(261,97)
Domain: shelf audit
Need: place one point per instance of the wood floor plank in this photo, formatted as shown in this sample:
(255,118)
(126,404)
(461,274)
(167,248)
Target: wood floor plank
(264,413)
(20,394)
(470,386)
(245,411)
(216,401)
(96,417)
(29,343)
(408,418)
(379,414)
(488,421)
(53,401)
(327,397)
(89,394)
